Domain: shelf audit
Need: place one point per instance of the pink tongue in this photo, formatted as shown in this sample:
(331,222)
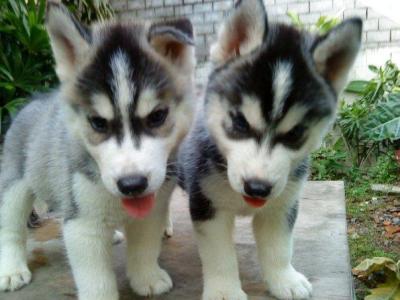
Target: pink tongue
(138,207)
(255,202)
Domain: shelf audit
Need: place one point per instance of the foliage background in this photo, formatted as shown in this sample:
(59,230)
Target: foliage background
(26,63)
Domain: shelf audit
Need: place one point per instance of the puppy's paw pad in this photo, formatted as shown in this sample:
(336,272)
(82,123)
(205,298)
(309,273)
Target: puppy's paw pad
(224,294)
(14,280)
(290,285)
(152,282)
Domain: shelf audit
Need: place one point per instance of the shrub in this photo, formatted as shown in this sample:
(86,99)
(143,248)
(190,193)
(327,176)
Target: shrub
(25,56)
(26,63)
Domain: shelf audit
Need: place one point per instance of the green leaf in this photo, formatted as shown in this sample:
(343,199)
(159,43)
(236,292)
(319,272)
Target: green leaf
(14,106)
(295,19)
(357,86)
(384,121)
(373,68)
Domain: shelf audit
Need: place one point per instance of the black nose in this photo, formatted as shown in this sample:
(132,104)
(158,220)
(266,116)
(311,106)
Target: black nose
(132,185)
(257,188)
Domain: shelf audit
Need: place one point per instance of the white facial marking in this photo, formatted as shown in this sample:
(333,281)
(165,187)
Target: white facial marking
(281,85)
(147,102)
(293,117)
(123,86)
(103,106)
(251,109)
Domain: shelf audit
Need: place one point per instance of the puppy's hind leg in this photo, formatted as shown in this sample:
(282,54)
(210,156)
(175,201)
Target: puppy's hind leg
(15,207)
(169,226)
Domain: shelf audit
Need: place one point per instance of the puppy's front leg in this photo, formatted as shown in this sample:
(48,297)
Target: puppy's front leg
(144,244)
(273,233)
(217,253)
(89,249)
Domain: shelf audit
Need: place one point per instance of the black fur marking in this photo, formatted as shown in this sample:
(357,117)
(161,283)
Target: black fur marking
(88,167)
(201,208)
(242,134)
(301,170)
(197,158)
(292,215)
(171,169)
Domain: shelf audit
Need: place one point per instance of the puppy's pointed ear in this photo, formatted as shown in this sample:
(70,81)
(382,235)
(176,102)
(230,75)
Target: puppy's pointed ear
(242,32)
(335,52)
(174,41)
(69,39)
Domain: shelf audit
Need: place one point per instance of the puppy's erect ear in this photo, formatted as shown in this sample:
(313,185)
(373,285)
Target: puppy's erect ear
(242,32)
(69,39)
(335,52)
(174,41)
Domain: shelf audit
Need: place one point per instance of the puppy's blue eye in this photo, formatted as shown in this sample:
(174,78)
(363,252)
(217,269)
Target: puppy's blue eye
(157,118)
(239,123)
(98,124)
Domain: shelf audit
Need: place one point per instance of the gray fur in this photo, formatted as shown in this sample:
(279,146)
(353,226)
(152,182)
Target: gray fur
(39,148)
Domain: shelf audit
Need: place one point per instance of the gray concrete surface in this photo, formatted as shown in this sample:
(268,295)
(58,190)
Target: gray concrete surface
(321,253)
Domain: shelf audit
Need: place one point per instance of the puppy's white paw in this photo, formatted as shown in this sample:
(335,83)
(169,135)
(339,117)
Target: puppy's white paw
(168,232)
(14,278)
(223,292)
(289,284)
(169,229)
(150,282)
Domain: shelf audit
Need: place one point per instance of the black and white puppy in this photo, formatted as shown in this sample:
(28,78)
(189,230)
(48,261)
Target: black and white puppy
(270,100)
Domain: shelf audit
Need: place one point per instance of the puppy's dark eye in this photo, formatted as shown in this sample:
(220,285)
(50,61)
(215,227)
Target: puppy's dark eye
(98,124)
(296,133)
(157,118)
(239,123)
(293,138)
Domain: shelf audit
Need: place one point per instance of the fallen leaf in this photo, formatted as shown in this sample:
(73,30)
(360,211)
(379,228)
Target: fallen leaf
(386,291)
(386,223)
(392,229)
(369,266)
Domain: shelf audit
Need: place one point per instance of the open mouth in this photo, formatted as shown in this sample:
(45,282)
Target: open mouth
(139,207)
(254,202)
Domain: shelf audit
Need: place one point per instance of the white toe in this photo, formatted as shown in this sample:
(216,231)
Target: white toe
(151,282)
(14,280)
(289,285)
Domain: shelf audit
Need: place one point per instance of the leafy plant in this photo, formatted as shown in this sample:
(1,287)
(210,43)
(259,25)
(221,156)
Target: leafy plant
(370,125)
(384,122)
(383,275)
(329,163)
(26,64)
(322,26)
(90,10)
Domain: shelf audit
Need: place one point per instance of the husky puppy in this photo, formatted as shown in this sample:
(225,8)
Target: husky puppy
(100,149)
(269,101)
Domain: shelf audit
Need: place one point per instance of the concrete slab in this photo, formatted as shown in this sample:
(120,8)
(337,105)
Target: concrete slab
(321,253)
